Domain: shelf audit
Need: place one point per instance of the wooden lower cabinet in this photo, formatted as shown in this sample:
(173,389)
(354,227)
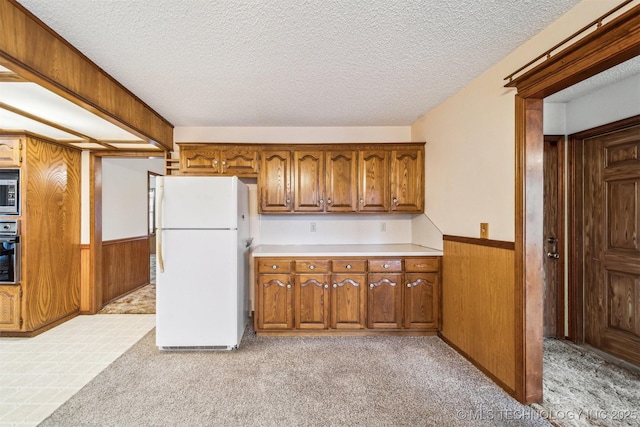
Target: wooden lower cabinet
(10,298)
(355,296)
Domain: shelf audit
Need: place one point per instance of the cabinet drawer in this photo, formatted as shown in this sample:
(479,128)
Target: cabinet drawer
(430,264)
(348,266)
(384,265)
(315,265)
(274,266)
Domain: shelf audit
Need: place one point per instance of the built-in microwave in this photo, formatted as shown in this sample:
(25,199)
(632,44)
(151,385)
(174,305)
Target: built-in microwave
(9,192)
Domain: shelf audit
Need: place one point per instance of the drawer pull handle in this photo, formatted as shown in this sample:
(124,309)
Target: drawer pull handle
(386,265)
(275,267)
(335,285)
(311,267)
(348,266)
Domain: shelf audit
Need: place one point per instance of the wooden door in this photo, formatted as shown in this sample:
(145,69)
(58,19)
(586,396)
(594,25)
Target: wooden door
(274,301)
(200,160)
(384,301)
(407,181)
(611,220)
(275,181)
(10,151)
(348,300)
(308,167)
(373,180)
(342,181)
(312,301)
(421,301)
(553,253)
(239,162)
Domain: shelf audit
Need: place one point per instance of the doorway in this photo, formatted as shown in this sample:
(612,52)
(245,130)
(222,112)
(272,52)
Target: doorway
(151,219)
(553,229)
(605,259)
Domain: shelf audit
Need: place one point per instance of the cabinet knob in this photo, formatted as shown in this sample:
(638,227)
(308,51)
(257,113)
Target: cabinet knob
(362,201)
(408,285)
(288,285)
(348,266)
(371,285)
(224,163)
(329,201)
(275,267)
(321,201)
(311,267)
(335,285)
(326,286)
(288,201)
(386,266)
(395,200)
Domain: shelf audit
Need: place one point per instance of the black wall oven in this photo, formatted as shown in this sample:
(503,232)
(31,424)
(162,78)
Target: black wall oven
(9,191)
(9,252)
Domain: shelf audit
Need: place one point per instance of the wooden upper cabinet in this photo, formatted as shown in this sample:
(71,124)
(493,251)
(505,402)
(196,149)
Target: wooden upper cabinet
(308,170)
(215,159)
(407,180)
(10,151)
(275,181)
(374,181)
(341,181)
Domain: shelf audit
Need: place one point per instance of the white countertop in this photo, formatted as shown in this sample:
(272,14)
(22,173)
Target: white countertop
(405,249)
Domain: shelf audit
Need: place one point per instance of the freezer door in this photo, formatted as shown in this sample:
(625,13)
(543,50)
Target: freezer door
(197,293)
(198,202)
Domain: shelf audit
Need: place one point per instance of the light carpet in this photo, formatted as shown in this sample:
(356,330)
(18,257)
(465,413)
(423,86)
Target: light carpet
(301,381)
(580,388)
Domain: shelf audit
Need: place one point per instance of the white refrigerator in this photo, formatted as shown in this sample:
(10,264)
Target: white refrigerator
(202,262)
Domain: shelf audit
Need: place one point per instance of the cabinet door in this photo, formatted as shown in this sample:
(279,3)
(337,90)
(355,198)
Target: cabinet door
(239,162)
(421,310)
(312,301)
(274,301)
(10,151)
(308,181)
(275,181)
(10,308)
(199,160)
(348,301)
(384,301)
(342,181)
(407,188)
(374,181)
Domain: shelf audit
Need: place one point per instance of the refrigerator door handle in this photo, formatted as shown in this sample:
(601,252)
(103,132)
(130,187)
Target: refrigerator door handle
(159,225)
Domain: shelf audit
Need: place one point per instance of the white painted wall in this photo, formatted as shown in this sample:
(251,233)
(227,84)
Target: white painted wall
(124,196)
(609,104)
(554,118)
(470,140)
(292,135)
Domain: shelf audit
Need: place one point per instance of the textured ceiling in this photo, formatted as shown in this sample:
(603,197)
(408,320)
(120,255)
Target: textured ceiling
(296,62)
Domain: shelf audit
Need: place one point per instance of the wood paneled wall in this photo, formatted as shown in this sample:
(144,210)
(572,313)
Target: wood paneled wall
(51,233)
(125,266)
(37,53)
(478,312)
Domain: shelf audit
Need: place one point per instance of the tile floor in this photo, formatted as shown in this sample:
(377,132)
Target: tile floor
(39,374)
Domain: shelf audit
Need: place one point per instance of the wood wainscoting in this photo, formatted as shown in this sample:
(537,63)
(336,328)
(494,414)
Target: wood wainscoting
(125,266)
(478,313)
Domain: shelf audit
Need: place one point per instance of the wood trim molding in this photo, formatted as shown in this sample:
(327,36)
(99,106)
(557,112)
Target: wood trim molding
(124,240)
(610,45)
(95,234)
(480,242)
(35,52)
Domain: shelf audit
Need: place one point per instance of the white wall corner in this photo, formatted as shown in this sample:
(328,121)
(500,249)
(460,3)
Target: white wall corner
(425,233)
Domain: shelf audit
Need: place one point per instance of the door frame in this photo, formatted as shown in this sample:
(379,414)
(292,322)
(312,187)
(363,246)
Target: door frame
(575,198)
(560,142)
(607,46)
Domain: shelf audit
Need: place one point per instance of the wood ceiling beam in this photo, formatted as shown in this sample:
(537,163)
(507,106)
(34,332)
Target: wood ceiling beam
(9,77)
(40,55)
